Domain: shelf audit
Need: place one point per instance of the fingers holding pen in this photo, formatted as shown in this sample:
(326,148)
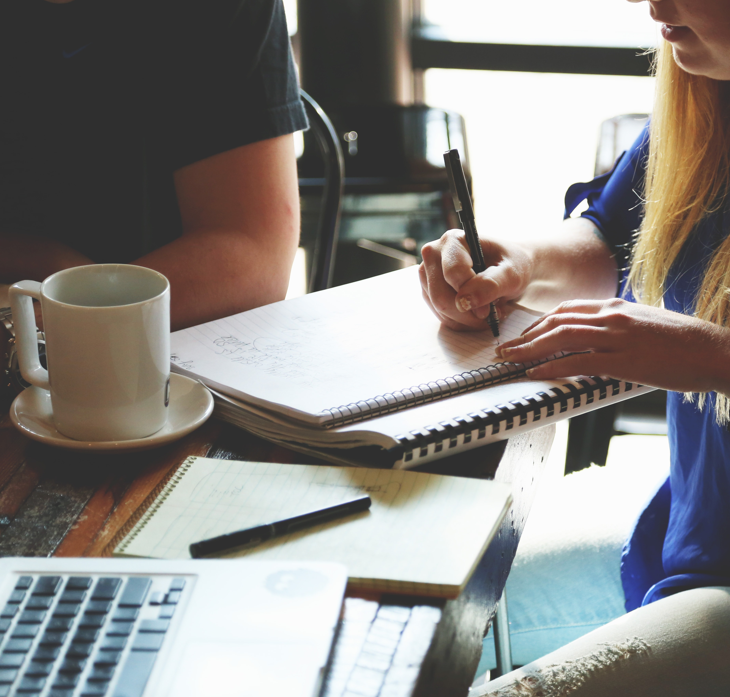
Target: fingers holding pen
(444,319)
(445,269)
(456,293)
(494,285)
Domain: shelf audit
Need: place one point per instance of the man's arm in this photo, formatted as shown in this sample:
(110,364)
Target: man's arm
(240,216)
(31,257)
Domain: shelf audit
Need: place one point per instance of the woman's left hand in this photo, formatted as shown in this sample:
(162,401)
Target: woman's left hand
(626,341)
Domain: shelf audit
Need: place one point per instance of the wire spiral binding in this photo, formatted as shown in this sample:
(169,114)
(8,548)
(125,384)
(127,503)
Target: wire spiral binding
(426,392)
(444,434)
(149,507)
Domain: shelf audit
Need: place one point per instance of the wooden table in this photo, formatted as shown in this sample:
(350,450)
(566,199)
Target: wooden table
(64,503)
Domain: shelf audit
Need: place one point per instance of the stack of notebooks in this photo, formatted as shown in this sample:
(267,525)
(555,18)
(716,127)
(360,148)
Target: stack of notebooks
(365,374)
(424,534)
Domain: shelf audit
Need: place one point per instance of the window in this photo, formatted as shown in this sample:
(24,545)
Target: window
(531,135)
(614,23)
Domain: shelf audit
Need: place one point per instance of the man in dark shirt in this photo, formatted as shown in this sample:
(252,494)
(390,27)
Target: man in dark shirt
(153,132)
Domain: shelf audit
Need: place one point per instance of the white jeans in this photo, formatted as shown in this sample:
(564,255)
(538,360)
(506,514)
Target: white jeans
(676,647)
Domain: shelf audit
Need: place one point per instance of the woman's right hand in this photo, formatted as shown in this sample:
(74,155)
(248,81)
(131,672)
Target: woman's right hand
(459,297)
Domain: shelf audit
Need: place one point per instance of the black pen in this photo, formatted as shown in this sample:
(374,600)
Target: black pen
(223,544)
(465,210)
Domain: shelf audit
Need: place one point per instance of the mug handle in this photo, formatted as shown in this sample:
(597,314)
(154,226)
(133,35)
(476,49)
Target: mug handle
(26,335)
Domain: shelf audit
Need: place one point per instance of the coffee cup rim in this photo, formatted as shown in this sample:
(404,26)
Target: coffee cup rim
(77,269)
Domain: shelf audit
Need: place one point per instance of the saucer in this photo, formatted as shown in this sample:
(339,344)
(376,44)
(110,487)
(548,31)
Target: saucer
(190,406)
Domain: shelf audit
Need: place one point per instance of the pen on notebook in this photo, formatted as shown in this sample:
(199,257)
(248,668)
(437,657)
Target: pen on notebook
(250,537)
(465,211)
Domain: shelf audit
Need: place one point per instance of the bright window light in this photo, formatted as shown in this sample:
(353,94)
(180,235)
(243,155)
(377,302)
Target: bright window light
(290,8)
(558,22)
(531,135)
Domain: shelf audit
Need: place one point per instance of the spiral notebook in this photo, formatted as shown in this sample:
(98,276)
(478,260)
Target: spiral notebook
(424,534)
(366,374)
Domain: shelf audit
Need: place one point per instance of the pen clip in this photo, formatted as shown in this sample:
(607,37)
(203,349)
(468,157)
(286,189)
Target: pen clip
(448,156)
(457,183)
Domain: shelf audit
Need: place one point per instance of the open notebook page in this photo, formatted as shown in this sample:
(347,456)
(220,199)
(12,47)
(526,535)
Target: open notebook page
(320,351)
(423,534)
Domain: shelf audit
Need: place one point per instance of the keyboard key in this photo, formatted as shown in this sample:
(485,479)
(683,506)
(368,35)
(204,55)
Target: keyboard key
(154,625)
(7,676)
(18,645)
(72,665)
(81,583)
(25,631)
(173,598)
(53,638)
(29,684)
(98,607)
(32,616)
(148,642)
(4,626)
(59,624)
(106,589)
(46,653)
(167,611)
(135,592)
(47,585)
(94,621)
(67,610)
(9,611)
(24,583)
(101,673)
(11,660)
(113,643)
(39,669)
(120,629)
(72,596)
(107,658)
(135,672)
(94,689)
(126,614)
(59,692)
(39,602)
(156,598)
(87,635)
(16,597)
(66,680)
(177,584)
(77,650)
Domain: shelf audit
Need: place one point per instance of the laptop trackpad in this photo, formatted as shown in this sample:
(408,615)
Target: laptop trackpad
(255,670)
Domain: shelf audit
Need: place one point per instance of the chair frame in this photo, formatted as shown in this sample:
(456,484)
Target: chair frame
(325,249)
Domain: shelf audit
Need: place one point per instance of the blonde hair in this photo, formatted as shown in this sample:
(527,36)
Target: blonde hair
(687,179)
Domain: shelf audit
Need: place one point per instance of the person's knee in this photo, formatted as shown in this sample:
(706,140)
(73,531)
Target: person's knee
(571,676)
(676,646)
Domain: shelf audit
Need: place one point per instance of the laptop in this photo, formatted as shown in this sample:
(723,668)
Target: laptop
(153,628)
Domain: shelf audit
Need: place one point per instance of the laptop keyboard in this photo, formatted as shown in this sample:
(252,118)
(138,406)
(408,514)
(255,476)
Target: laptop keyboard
(379,649)
(84,636)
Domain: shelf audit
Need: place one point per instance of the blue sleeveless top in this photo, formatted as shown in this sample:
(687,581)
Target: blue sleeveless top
(682,538)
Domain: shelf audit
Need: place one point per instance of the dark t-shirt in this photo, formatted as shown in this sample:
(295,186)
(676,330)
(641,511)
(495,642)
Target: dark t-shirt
(104,99)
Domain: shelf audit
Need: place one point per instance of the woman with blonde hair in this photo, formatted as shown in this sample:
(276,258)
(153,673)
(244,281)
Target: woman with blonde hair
(657,229)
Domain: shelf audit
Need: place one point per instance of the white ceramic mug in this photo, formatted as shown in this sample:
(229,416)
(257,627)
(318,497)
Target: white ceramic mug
(107,329)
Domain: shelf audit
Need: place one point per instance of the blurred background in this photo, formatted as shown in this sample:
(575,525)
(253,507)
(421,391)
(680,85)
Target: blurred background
(533,82)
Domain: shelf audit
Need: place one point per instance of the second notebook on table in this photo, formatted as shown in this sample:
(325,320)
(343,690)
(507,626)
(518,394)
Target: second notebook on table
(424,534)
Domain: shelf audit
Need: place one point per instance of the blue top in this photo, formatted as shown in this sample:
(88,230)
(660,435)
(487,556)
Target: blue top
(682,538)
